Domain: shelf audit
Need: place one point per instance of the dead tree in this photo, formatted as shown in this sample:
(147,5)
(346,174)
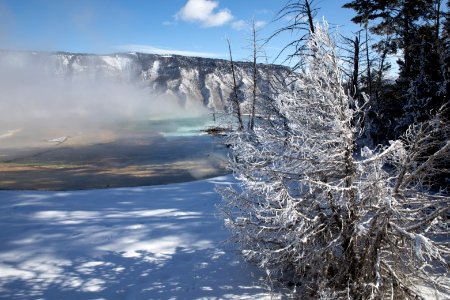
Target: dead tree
(255,72)
(236,106)
(300,15)
(368,61)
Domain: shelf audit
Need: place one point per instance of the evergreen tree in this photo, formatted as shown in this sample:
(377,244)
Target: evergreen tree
(414,27)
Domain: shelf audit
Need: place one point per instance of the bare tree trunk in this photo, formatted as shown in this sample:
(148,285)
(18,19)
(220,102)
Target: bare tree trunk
(235,98)
(255,71)
(354,90)
(369,75)
(380,73)
(310,17)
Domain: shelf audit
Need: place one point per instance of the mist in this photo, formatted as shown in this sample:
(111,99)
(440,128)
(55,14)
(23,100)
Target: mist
(37,104)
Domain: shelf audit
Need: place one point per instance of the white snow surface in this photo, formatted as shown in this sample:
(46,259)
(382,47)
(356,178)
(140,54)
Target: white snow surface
(158,242)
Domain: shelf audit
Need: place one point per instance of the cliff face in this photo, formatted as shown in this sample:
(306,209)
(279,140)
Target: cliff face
(191,80)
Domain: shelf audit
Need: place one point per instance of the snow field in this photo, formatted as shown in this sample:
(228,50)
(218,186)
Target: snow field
(158,242)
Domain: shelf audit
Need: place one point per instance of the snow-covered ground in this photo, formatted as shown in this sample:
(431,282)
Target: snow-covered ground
(158,242)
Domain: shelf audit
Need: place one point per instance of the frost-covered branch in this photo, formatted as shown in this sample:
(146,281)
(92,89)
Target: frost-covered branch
(312,214)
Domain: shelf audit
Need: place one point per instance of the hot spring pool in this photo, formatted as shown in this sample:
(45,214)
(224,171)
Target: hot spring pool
(144,152)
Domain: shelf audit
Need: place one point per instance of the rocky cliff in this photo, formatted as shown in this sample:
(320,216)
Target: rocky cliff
(192,80)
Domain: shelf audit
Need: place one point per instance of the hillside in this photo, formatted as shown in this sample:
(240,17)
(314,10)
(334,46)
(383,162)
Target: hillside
(192,80)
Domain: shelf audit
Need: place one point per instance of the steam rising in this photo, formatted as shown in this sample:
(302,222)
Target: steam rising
(37,104)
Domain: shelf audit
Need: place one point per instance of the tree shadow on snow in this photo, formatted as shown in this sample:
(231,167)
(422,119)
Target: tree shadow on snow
(131,243)
(208,273)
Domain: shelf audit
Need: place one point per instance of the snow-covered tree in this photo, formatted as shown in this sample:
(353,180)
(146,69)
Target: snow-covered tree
(320,218)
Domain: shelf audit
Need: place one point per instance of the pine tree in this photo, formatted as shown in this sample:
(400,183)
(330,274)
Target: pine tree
(414,27)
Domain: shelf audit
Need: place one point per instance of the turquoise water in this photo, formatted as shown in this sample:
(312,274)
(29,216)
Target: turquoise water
(173,127)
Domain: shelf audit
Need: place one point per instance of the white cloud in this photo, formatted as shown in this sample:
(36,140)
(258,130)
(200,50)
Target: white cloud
(263,11)
(239,25)
(292,18)
(259,24)
(205,13)
(155,50)
(168,23)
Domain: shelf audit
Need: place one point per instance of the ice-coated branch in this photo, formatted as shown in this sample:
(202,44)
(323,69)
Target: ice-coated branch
(313,215)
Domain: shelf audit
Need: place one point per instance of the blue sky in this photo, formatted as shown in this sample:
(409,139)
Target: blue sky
(192,27)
